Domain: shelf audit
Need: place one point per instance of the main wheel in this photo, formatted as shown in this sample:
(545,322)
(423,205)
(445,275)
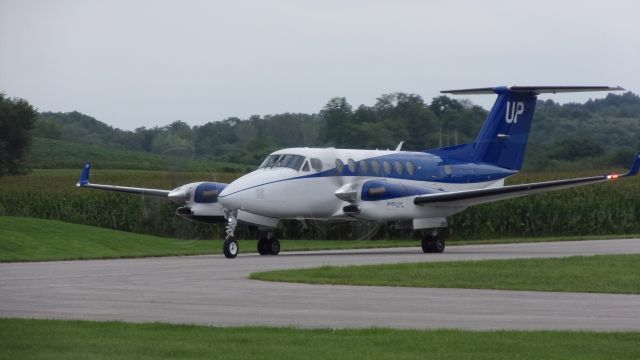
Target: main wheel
(230,247)
(427,244)
(438,245)
(263,246)
(274,246)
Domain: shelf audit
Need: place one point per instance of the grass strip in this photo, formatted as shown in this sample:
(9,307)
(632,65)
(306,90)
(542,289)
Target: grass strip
(53,339)
(601,274)
(28,239)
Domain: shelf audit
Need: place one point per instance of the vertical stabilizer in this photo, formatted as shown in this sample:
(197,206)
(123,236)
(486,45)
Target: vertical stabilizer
(502,141)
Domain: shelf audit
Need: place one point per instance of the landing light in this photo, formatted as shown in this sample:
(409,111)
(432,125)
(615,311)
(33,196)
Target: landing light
(613,177)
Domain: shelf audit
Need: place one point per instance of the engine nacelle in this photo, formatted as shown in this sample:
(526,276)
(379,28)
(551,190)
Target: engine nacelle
(200,201)
(381,199)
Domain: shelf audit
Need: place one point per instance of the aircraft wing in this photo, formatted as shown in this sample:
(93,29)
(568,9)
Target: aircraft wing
(84,182)
(481,196)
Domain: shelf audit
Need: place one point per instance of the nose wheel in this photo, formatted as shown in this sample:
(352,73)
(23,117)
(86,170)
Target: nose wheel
(230,247)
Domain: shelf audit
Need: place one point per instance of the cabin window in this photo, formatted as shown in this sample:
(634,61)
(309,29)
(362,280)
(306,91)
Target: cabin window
(375,166)
(399,167)
(339,166)
(411,168)
(316,164)
(352,165)
(305,167)
(290,161)
(364,166)
(387,167)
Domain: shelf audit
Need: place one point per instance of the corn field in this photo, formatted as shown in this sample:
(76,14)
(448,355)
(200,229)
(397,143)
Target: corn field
(610,208)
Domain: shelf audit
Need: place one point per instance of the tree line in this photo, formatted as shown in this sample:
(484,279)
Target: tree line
(591,134)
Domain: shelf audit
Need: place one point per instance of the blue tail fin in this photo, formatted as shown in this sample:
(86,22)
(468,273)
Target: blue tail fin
(502,141)
(503,138)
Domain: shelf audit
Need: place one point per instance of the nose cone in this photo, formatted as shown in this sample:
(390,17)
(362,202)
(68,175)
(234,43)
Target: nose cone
(257,191)
(233,196)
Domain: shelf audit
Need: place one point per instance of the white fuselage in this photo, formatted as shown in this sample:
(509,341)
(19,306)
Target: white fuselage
(309,190)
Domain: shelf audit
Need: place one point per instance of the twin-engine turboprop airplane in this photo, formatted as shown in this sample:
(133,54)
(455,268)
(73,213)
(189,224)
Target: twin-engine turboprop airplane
(414,189)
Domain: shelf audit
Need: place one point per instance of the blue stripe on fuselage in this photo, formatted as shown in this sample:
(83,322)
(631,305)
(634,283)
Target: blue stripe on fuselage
(428,168)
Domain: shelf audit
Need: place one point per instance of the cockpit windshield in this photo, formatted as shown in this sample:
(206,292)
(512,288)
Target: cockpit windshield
(291,161)
(269,161)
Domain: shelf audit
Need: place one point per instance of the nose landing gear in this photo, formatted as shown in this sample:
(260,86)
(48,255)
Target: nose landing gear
(230,247)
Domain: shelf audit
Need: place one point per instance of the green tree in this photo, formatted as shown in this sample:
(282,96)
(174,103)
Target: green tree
(336,116)
(47,127)
(17,118)
(408,119)
(575,148)
(174,139)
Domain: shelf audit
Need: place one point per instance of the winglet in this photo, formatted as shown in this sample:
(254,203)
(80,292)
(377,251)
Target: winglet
(84,178)
(635,167)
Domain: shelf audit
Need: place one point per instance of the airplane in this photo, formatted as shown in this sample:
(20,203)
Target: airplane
(414,189)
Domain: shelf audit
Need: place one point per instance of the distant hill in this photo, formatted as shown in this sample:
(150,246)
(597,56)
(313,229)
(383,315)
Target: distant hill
(57,154)
(589,135)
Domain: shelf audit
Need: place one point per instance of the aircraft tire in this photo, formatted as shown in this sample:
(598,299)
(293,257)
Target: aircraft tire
(427,244)
(438,245)
(274,246)
(263,246)
(230,247)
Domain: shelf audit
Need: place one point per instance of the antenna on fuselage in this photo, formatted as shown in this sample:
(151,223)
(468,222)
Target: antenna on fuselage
(399,147)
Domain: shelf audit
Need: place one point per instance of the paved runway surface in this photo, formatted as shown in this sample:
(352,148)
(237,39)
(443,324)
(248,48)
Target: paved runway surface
(214,290)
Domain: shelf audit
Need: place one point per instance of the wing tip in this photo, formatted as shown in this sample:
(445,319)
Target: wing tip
(84,176)
(635,166)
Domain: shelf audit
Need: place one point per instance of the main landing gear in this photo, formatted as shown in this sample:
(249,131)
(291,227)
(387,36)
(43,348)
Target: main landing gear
(268,245)
(432,243)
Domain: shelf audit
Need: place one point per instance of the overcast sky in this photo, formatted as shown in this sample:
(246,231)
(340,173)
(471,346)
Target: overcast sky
(149,63)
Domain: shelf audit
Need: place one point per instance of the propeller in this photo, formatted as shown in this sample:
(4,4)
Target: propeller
(349,183)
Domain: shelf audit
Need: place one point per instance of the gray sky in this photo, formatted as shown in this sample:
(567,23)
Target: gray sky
(148,63)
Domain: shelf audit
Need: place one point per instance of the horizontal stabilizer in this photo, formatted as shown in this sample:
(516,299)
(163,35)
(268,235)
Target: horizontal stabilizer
(531,89)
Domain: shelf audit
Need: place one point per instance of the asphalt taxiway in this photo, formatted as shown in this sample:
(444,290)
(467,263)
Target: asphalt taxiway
(216,291)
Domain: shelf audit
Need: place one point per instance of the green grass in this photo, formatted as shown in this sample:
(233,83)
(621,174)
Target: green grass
(602,273)
(26,239)
(53,339)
